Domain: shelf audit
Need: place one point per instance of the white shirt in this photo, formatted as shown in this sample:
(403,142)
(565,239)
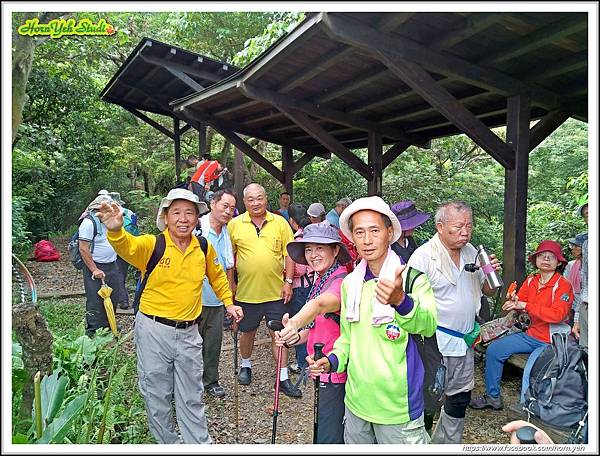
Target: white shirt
(456,308)
(103,251)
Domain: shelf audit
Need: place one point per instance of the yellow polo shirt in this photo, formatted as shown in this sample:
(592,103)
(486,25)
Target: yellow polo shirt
(259,256)
(174,289)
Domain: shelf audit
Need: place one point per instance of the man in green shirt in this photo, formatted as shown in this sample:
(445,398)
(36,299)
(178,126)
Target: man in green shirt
(384,389)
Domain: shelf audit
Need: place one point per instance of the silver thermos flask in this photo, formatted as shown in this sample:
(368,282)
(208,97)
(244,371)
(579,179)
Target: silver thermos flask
(493,279)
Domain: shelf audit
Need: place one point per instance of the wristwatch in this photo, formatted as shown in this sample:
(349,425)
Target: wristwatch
(290,281)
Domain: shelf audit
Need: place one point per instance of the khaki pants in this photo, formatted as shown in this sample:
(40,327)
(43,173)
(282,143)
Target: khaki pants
(357,430)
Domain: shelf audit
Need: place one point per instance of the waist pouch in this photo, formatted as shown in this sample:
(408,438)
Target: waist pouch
(471,338)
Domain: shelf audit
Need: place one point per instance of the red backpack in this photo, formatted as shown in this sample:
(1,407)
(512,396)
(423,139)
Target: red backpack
(45,251)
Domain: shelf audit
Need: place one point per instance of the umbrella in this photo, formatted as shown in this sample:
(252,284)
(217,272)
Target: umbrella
(104,293)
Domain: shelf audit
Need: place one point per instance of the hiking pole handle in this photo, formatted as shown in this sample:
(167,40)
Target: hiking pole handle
(318,349)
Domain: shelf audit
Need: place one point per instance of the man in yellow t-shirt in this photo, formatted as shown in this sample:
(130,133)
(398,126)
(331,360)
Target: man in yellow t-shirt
(259,239)
(168,343)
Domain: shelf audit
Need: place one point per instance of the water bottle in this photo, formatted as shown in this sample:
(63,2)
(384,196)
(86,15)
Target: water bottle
(491,276)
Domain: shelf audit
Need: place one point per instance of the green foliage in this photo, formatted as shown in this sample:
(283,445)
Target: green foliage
(21,244)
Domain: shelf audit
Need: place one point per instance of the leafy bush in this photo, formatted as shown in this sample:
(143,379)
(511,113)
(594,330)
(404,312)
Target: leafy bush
(21,245)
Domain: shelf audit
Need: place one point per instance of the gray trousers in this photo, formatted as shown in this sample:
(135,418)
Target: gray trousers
(95,315)
(169,363)
(357,430)
(583,325)
(211,330)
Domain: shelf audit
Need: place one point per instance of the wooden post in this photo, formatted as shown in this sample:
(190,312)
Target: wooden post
(177,142)
(238,179)
(287,160)
(202,140)
(515,189)
(375,164)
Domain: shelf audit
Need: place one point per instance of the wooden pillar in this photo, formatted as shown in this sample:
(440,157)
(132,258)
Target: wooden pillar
(287,160)
(238,179)
(515,189)
(177,142)
(202,140)
(375,164)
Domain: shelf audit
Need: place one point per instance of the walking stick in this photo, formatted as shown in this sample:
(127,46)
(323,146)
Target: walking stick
(318,349)
(275,325)
(235,382)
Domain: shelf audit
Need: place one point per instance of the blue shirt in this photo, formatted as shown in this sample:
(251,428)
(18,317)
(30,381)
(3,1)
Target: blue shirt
(222,245)
(333,218)
(284,213)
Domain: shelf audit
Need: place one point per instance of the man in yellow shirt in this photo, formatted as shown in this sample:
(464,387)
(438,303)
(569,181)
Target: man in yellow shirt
(168,343)
(259,239)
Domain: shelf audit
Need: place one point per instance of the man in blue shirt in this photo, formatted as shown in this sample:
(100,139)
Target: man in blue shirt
(214,228)
(333,216)
(284,203)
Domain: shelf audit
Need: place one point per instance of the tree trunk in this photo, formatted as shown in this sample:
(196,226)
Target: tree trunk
(36,340)
(146,183)
(24,49)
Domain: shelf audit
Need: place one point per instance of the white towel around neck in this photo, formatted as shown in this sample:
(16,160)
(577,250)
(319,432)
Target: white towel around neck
(381,313)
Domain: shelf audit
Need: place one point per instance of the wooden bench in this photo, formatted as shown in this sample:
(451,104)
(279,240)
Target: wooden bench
(518,360)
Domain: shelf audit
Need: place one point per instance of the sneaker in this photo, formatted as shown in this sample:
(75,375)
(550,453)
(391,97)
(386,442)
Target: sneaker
(124,306)
(289,389)
(485,401)
(215,390)
(294,368)
(245,376)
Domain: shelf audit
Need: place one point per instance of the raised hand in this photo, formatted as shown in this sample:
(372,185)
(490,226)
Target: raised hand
(111,215)
(391,291)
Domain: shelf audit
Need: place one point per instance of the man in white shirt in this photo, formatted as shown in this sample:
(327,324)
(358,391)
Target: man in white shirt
(100,261)
(458,299)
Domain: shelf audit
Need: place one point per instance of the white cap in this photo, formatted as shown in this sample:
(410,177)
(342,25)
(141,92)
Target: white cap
(175,194)
(372,203)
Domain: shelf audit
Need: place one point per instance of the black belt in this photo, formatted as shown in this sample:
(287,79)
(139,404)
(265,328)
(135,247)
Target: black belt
(173,323)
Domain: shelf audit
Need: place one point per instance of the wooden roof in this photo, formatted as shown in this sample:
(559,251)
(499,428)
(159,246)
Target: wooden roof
(335,68)
(156,73)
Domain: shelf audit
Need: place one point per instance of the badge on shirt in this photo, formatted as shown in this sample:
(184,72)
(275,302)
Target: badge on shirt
(392,331)
(565,297)
(216,261)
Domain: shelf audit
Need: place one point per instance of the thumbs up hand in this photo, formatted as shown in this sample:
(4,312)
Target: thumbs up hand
(391,291)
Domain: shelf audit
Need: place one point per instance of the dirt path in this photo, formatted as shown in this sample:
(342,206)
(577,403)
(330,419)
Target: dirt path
(295,422)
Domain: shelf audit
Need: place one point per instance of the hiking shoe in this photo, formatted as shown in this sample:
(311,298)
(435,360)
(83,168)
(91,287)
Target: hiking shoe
(124,306)
(485,401)
(289,389)
(294,368)
(215,390)
(245,376)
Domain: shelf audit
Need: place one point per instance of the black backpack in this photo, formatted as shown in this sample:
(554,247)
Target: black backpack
(73,246)
(157,253)
(558,383)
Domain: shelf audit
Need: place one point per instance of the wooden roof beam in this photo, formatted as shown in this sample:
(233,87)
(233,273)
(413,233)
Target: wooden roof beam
(423,84)
(573,63)
(323,112)
(392,153)
(162,62)
(185,79)
(471,25)
(540,38)
(545,127)
(328,141)
(150,122)
(354,32)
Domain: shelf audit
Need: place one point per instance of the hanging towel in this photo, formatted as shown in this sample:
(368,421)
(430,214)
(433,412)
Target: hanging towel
(381,313)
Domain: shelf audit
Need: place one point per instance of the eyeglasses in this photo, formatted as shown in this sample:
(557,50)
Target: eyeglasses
(547,256)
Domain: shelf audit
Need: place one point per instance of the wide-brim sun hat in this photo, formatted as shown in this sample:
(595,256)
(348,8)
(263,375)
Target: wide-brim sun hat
(318,233)
(175,194)
(408,215)
(371,203)
(548,246)
(97,202)
(578,240)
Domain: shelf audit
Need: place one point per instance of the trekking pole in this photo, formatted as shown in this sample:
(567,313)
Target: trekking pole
(318,349)
(275,325)
(235,383)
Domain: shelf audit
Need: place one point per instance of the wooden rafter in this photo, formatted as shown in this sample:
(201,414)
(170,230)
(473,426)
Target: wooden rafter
(354,32)
(326,113)
(150,122)
(328,141)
